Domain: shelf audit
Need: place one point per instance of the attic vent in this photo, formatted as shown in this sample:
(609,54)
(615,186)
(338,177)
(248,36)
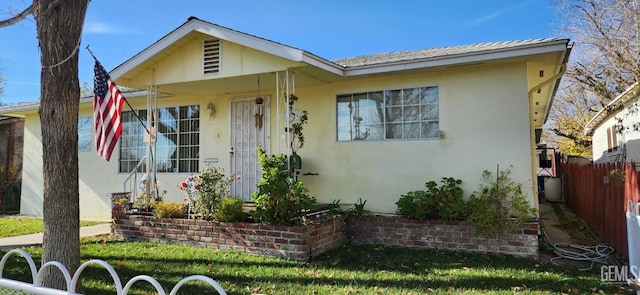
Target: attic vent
(211,55)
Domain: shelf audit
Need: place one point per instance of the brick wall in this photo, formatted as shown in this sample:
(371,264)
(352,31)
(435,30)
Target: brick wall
(292,242)
(437,234)
(305,242)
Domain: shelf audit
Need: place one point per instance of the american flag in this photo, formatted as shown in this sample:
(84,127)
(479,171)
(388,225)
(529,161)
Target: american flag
(107,110)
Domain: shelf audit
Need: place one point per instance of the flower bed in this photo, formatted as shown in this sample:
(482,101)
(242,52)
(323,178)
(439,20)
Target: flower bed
(437,234)
(292,242)
(305,242)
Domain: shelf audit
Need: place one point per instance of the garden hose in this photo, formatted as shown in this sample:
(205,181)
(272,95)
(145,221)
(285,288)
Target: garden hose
(600,253)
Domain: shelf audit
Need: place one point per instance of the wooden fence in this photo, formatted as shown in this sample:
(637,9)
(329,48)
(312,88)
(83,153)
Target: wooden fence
(599,195)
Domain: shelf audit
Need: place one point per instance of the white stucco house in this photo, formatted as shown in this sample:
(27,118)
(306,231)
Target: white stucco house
(615,130)
(379,125)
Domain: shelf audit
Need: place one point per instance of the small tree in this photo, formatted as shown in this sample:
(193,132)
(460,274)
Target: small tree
(280,199)
(500,206)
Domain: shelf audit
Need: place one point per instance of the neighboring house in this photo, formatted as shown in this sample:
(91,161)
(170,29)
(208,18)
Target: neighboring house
(11,140)
(614,137)
(379,125)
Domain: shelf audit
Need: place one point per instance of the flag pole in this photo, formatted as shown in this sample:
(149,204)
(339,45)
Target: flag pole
(124,97)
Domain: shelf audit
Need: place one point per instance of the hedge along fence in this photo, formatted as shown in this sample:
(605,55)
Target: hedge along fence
(438,234)
(292,242)
(305,242)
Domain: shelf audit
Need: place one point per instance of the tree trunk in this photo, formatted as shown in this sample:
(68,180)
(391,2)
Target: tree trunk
(59,25)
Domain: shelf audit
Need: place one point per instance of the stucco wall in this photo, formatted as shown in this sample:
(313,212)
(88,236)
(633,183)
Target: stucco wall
(483,117)
(630,138)
(484,122)
(32,183)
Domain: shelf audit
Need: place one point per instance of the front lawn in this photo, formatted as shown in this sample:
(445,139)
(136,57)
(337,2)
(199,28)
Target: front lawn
(346,270)
(18,226)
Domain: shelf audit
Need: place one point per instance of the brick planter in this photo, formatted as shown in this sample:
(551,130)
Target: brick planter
(292,242)
(305,242)
(437,234)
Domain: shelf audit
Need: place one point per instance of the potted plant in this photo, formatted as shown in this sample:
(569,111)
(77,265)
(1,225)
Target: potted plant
(297,120)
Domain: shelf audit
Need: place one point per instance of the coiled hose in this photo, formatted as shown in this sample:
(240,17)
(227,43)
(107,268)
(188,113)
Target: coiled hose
(600,253)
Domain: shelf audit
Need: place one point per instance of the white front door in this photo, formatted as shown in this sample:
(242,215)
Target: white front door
(248,131)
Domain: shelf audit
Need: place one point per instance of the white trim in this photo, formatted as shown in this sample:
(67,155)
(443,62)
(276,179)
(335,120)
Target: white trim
(297,55)
(625,97)
(465,58)
(19,109)
(222,33)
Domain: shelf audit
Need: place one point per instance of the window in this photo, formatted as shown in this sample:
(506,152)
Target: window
(178,139)
(410,113)
(85,132)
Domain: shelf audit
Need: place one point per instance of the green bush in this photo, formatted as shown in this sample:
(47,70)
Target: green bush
(445,202)
(230,210)
(164,209)
(358,208)
(280,200)
(212,187)
(500,206)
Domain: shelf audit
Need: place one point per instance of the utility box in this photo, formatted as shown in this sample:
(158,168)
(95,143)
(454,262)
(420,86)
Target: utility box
(553,189)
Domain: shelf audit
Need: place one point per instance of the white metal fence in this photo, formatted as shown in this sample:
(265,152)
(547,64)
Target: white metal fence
(633,238)
(9,286)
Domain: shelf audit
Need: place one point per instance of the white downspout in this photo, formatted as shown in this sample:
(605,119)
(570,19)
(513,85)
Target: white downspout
(532,133)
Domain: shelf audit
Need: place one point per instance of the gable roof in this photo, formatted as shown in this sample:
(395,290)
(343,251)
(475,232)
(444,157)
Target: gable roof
(631,93)
(194,24)
(353,66)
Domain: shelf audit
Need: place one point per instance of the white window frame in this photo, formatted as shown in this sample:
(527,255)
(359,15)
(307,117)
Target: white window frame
(177,151)
(397,114)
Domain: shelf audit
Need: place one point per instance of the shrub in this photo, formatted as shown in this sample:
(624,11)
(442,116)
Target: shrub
(230,210)
(205,190)
(358,208)
(280,200)
(164,209)
(445,202)
(500,206)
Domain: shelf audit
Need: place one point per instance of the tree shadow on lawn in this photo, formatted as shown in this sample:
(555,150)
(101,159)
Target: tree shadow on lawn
(365,269)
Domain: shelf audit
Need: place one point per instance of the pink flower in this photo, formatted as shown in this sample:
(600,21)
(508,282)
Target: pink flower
(237,177)
(184,200)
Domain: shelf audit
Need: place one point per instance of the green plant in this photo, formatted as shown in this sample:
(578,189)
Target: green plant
(450,200)
(358,208)
(445,202)
(296,141)
(146,199)
(500,206)
(230,210)
(205,190)
(165,209)
(280,199)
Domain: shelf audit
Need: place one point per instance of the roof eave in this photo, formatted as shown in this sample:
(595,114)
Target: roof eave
(322,63)
(556,86)
(629,94)
(197,25)
(20,109)
(458,59)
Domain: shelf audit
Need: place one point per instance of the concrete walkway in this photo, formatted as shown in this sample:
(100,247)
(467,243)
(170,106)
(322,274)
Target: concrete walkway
(36,239)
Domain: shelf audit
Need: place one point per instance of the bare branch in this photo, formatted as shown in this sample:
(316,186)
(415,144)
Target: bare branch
(18,17)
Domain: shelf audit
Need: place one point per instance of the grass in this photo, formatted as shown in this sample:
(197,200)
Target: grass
(573,225)
(346,270)
(17,226)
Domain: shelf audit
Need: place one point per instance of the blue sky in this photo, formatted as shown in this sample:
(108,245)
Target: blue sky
(115,30)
